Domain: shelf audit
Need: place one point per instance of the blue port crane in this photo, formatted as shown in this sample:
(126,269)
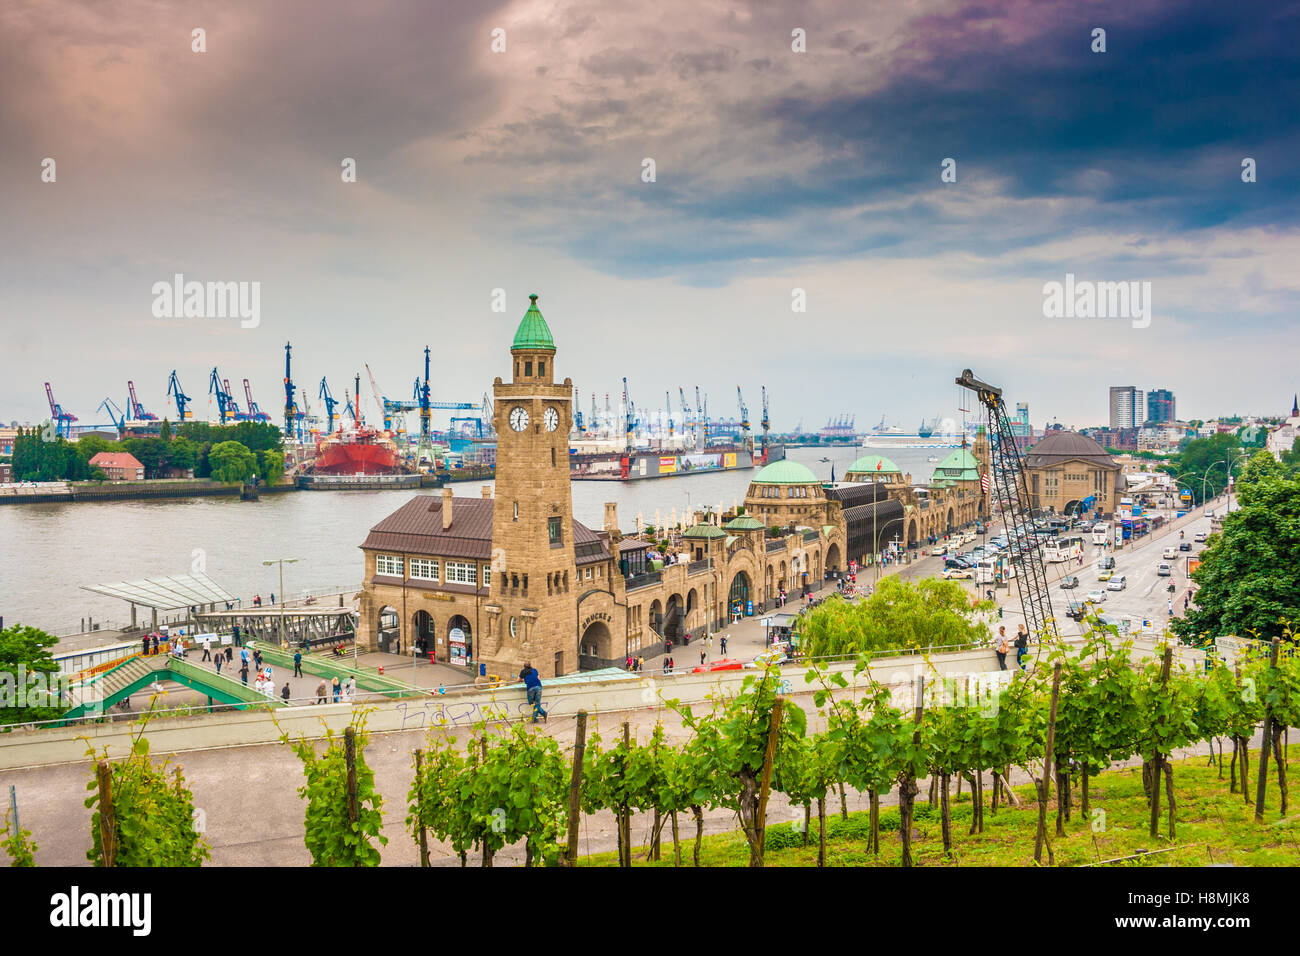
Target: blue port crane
(119,419)
(629,417)
(330,403)
(182,400)
(578,422)
(226,407)
(62,420)
(291,416)
(135,408)
(668,406)
(422,396)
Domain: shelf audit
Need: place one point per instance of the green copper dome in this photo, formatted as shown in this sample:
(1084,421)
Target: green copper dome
(785,472)
(874,463)
(961,465)
(705,531)
(744,523)
(533,333)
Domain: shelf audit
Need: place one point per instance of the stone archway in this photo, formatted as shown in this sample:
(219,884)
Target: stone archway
(781,582)
(833,557)
(950,520)
(424,631)
(740,593)
(388,629)
(656,620)
(597,642)
(674,614)
(768,579)
(912,533)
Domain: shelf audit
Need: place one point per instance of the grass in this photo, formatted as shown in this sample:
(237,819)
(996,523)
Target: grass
(1213,826)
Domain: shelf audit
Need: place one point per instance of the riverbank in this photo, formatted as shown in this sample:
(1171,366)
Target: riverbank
(52,492)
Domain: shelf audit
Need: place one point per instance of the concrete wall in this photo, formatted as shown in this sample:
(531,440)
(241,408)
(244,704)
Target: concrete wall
(233,728)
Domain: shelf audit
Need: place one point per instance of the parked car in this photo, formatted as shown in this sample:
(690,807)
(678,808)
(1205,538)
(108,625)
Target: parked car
(1117,583)
(1170,553)
(1069,581)
(1096,597)
(1164,570)
(951,573)
(1184,546)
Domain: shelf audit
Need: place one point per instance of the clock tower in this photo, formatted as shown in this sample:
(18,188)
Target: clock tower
(534,590)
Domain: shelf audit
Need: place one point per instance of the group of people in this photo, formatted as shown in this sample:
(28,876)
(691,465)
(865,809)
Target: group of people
(342,691)
(1021,644)
(257,599)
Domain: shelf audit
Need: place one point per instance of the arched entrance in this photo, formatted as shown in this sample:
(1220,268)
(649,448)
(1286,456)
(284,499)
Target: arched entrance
(388,630)
(673,614)
(460,641)
(657,617)
(741,593)
(598,642)
(911,533)
(424,631)
(833,558)
(1072,507)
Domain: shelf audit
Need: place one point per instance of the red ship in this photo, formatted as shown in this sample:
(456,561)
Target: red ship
(360,450)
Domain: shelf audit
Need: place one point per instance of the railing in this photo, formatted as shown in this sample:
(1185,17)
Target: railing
(810,535)
(697,567)
(643,580)
(777,545)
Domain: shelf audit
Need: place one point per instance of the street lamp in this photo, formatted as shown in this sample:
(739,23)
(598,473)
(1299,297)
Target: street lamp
(1232,464)
(281,562)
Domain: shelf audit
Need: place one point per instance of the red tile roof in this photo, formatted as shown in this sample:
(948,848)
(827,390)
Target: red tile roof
(115,459)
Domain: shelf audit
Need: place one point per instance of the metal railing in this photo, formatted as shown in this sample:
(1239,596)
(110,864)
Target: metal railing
(644,580)
(697,567)
(777,545)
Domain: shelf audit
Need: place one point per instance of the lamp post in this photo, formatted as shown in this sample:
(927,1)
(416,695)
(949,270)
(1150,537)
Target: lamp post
(1232,463)
(281,562)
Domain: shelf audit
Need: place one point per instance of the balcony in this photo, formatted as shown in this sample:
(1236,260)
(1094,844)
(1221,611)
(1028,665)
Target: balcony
(643,580)
(777,545)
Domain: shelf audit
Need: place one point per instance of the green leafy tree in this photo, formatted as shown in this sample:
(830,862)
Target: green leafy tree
(1249,579)
(152,813)
(342,826)
(36,459)
(182,454)
(28,674)
(1196,461)
(150,452)
(899,614)
(270,466)
(432,803)
(165,430)
(231,462)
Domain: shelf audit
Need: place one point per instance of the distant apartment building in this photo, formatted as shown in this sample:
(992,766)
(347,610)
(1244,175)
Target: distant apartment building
(8,434)
(1121,439)
(1126,409)
(1160,406)
(1021,430)
(118,466)
(1283,437)
(1162,438)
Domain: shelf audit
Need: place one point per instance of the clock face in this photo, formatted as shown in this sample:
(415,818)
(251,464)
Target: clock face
(552,419)
(518,418)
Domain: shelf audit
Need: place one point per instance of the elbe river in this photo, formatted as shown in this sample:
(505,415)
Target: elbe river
(51,551)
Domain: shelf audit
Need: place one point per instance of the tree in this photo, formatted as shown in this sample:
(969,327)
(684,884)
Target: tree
(928,613)
(1249,579)
(36,459)
(231,462)
(270,466)
(150,452)
(165,430)
(29,677)
(1197,461)
(182,454)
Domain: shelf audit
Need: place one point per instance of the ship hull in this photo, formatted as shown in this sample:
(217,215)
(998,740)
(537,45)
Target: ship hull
(356,459)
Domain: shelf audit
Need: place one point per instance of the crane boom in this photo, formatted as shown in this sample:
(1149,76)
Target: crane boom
(379,398)
(182,400)
(1010,484)
(330,401)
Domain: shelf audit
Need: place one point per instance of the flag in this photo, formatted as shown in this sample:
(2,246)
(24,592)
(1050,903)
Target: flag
(984,482)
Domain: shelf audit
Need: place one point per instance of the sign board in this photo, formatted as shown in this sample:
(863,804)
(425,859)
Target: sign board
(749,609)
(457,636)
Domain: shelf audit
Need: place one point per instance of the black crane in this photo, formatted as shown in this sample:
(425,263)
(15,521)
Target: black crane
(1012,489)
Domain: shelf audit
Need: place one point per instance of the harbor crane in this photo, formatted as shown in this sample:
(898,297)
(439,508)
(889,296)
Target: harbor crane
(766,422)
(629,418)
(119,420)
(182,400)
(62,420)
(349,408)
(422,396)
(1010,484)
(330,402)
(744,420)
(577,413)
(668,406)
(254,414)
(135,408)
(291,416)
(226,407)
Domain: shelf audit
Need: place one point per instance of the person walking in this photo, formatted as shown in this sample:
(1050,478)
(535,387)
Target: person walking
(1171,607)
(144,646)
(350,689)
(243,673)
(337,689)
(702,653)
(257,658)
(320,691)
(297,663)
(230,653)
(640,664)
(155,644)
(723,643)
(533,684)
(207,649)
(1022,646)
(1002,648)
(219,661)
(235,632)
(284,692)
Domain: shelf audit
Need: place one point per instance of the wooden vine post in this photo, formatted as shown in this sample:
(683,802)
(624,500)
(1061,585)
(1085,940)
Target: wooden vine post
(575,790)
(907,788)
(1261,787)
(419,808)
(625,814)
(107,816)
(1044,783)
(1158,762)
(769,760)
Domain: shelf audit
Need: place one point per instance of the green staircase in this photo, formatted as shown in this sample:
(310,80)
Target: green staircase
(94,697)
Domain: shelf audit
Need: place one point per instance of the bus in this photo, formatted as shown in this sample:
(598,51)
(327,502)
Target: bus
(1065,547)
(1100,534)
(994,569)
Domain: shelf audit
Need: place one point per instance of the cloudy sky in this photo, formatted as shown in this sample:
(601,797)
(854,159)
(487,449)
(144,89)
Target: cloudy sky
(775,170)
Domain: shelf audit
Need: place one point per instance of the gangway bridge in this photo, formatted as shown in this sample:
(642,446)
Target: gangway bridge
(95,695)
(298,625)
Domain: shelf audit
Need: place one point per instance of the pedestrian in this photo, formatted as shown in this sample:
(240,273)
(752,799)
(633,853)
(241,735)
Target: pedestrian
(243,674)
(257,657)
(671,665)
(207,648)
(320,691)
(701,658)
(722,643)
(297,663)
(284,692)
(144,646)
(666,664)
(219,661)
(1022,646)
(640,663)
(1171,607)
(349,689)
(238,642)
(230,653)
(1002,648)
(155,643)
(629,662)
(533,683)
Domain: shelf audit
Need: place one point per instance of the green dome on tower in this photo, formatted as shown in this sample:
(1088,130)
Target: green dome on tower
(785,472)
(533,334)
(874,463)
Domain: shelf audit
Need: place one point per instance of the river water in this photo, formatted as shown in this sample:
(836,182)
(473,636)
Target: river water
(51,551)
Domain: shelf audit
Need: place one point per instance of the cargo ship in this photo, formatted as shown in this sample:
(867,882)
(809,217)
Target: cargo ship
(358,450)
(640,464)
